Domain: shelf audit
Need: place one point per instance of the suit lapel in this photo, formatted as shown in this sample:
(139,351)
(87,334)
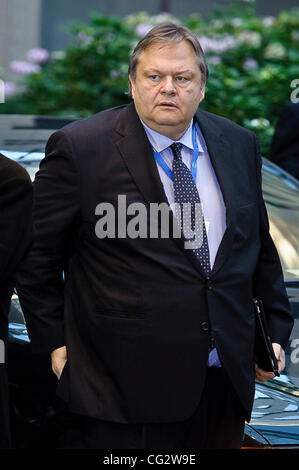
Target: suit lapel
(136,151)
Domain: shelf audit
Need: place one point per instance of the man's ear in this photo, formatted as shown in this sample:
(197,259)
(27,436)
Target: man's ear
(202,92)
(131,86)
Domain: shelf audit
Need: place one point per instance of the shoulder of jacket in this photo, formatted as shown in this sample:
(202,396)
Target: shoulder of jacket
(225,124)
(11,169)
(98,124)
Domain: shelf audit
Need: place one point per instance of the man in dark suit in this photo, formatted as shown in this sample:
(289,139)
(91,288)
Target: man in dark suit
(16,196)
(151,336)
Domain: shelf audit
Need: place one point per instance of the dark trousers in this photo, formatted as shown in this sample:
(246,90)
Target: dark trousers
(218,422)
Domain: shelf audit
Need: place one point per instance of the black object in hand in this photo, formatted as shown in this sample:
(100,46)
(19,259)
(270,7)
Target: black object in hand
(263,349)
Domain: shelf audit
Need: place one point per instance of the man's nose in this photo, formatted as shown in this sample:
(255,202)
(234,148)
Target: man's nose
(168,86)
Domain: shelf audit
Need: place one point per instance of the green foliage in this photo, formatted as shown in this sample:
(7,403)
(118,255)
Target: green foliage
(251,74)
(252,61)
(90,76)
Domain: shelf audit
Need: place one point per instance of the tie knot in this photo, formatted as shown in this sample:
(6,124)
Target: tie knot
(176,147)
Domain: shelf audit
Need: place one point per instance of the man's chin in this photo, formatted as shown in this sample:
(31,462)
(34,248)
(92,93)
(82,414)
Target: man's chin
(167,119)
(168,113)
(172,128)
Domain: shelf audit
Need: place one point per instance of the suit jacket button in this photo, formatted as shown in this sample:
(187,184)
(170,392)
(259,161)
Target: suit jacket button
(204,326)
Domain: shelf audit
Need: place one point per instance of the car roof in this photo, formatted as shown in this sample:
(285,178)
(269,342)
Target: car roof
(22,135)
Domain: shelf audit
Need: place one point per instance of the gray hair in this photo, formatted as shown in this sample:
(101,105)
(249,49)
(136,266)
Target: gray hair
(168,32)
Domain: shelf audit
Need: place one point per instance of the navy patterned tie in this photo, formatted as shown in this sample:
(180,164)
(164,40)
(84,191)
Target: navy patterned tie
(185,191)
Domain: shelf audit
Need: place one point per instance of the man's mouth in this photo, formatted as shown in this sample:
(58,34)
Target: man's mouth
(165,104)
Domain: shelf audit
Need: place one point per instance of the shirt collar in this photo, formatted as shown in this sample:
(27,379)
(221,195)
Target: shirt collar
(160,142)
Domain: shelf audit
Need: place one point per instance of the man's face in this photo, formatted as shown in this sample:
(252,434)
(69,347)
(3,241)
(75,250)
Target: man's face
(167,88)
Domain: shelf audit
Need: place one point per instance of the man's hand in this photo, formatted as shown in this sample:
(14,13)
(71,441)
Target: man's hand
(261,375)
(59,358)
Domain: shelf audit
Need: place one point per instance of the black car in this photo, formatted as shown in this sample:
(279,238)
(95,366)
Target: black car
(37,415)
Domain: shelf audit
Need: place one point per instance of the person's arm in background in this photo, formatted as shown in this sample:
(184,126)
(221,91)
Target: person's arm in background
(15,215)
(15,230)
(40,282)
(285,143)
(268,283)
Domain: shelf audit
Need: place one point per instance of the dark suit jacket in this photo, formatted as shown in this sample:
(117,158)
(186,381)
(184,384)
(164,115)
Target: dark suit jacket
(133,312)
(16,196)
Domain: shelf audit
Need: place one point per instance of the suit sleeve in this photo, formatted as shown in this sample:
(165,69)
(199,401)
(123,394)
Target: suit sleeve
(40,278)
(268,282)
(15,216)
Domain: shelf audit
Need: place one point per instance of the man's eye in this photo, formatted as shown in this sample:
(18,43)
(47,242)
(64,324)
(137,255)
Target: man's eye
(181,79)
(154,78)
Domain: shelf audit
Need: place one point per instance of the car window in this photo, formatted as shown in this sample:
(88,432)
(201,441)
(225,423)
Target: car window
(281,194)
(31,167)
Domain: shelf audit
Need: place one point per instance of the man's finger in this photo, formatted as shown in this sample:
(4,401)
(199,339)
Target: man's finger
(262,375)
(280,356)
(57,368)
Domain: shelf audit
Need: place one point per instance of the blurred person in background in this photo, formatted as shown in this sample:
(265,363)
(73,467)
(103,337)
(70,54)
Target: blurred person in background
(153,341)
(16,197)
(285,144)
